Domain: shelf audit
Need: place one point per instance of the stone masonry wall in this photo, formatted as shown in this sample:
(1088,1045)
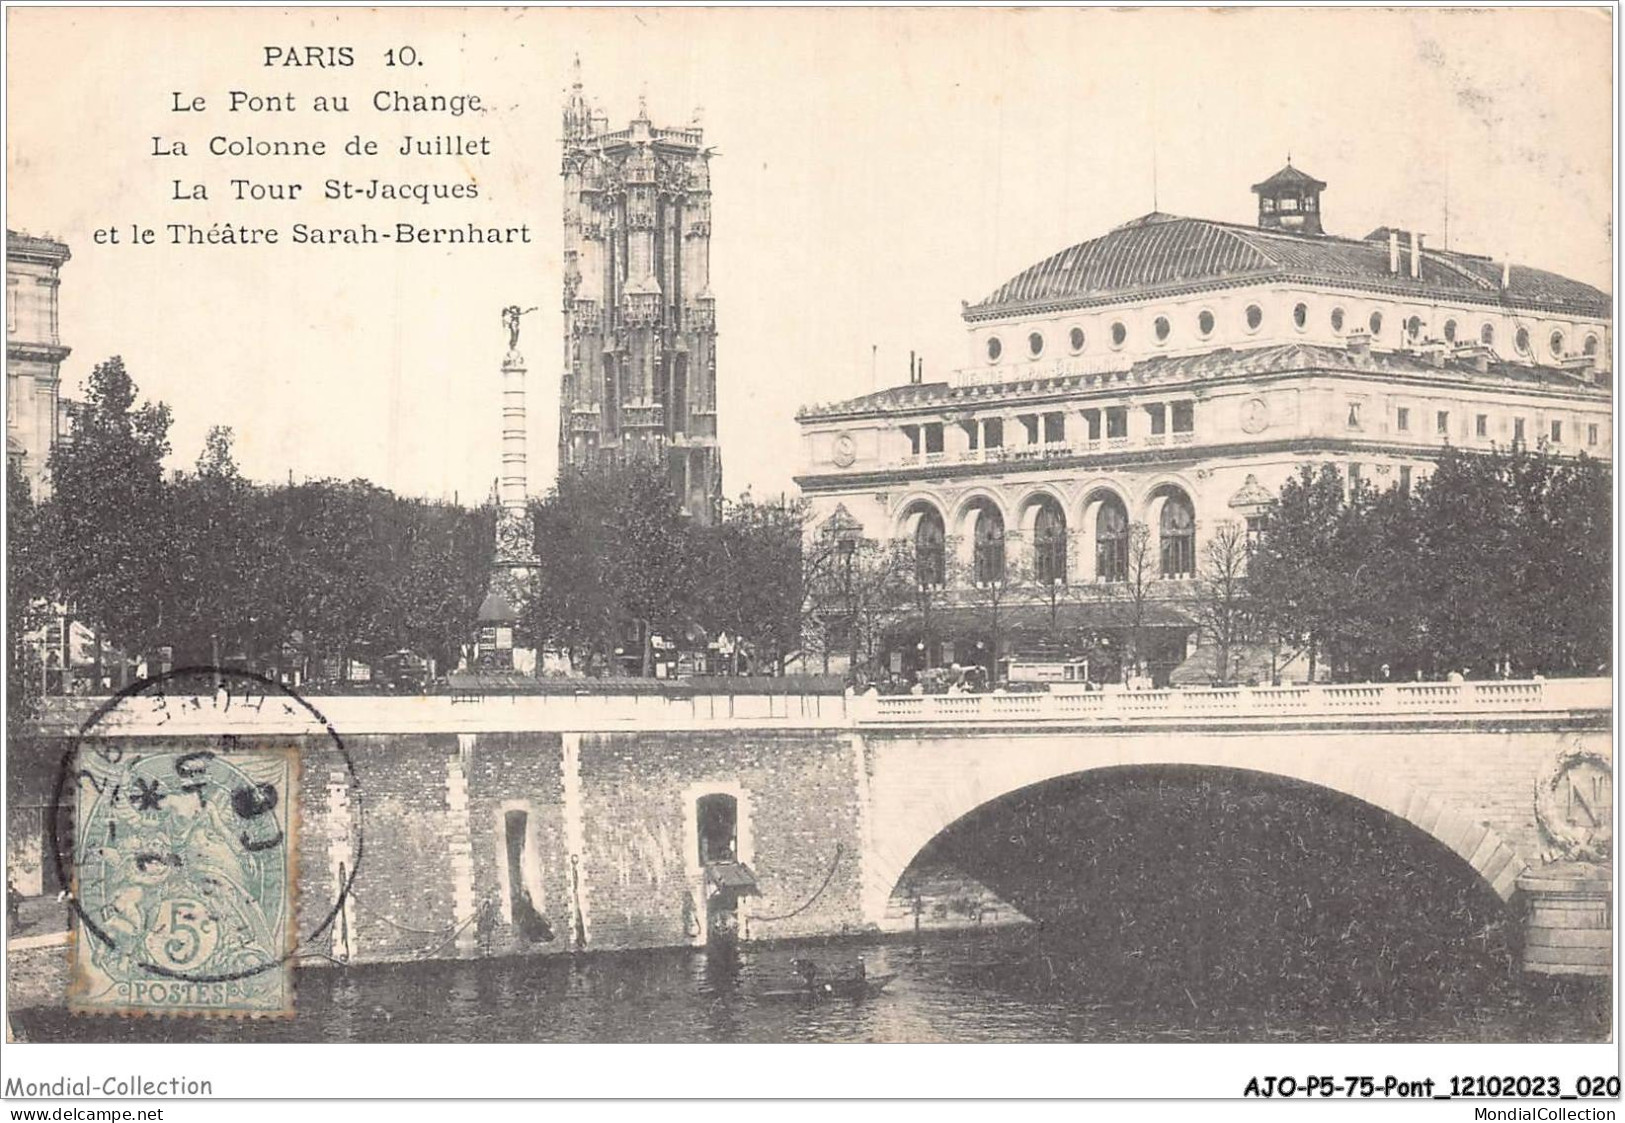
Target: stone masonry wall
(799,803)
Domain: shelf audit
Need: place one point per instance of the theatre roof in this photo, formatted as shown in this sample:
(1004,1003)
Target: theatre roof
(1167,254)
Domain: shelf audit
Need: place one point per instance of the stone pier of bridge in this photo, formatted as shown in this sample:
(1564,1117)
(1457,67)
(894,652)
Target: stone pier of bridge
(547,824)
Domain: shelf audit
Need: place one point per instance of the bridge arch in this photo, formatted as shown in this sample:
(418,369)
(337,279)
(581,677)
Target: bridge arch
(912,805)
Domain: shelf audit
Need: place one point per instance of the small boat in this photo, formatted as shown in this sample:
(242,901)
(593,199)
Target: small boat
(858,986)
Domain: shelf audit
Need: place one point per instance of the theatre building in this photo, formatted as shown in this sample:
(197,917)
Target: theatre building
(1126,397)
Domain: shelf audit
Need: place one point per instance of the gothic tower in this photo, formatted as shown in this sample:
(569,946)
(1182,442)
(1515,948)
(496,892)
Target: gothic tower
(640,374)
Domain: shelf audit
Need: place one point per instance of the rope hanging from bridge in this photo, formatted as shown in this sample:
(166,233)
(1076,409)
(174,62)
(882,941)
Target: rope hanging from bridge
(819,892)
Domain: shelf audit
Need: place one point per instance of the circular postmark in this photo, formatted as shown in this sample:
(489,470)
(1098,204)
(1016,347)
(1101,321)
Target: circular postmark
(183,846)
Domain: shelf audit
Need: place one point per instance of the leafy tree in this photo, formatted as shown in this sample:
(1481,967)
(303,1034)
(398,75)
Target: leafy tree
(617,557)
(210,598)
(1296,573)
(753,581)
(110,527)
(28,592)
(1495,558)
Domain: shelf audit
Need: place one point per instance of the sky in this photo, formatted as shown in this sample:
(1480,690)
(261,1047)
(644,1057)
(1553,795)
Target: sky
(873,169)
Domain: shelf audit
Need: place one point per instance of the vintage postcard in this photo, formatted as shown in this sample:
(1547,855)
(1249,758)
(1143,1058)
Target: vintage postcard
(639,526)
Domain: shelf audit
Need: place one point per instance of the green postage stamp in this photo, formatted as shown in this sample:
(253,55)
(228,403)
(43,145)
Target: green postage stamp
(184,868)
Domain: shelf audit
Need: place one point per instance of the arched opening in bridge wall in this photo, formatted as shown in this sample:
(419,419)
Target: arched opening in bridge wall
(1210,885)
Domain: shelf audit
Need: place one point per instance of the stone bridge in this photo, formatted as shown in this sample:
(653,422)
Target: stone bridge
(638,821)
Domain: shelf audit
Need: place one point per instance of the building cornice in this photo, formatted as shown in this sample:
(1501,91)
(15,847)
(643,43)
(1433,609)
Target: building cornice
(1116,385)
(1230,452)
(17,351)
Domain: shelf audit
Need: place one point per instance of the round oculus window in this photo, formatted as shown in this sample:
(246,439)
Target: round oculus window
(1450,331)
(1119,334)
(1521,341)
(1556,344)
(1077,339)
(1337,319)
(1255,317)
(1375,323)
(1413,326)
(994,348)
(1162,327)
(1035,344)
(1204,322)
(1300,315)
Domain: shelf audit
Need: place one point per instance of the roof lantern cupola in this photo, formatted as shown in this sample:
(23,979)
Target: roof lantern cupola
(1290,200)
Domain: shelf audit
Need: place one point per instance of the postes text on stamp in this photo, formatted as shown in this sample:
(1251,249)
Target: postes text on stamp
(184,868)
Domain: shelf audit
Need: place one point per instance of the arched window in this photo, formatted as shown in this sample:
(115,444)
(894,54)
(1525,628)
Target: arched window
(1111,542)
(988,559)
(929,561)
(1450,331)
(1486,335)
(1178,537)
(1049,545)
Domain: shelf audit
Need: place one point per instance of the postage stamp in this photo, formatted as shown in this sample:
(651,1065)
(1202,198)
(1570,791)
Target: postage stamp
(184,868)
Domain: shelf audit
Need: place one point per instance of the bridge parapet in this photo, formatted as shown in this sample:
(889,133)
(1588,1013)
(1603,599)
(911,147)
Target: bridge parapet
(155,714)
(1402,701)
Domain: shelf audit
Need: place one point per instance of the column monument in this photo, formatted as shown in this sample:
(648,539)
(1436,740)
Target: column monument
(514,562)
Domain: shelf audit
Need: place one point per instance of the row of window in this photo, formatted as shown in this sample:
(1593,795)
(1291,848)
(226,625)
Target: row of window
(1481,425)
(1253,317)
(1050,428)
(1171,554)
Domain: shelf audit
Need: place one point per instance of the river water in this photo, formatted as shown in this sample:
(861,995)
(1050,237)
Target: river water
(1018,984)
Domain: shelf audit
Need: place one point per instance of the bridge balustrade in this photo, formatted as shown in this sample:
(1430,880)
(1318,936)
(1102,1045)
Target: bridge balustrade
(1407,699)
(586,712)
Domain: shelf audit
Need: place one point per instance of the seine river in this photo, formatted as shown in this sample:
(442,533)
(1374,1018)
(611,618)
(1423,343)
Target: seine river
(998,985)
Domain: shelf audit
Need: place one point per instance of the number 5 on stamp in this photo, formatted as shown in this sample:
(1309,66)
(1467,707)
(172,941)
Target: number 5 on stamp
(184,867)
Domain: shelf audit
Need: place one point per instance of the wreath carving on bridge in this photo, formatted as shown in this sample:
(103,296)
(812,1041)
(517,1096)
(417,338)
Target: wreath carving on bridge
(1574,807)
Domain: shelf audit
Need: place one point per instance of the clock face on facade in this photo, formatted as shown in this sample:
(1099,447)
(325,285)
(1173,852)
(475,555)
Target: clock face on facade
(1575,806)
(846,451)
(1255,415)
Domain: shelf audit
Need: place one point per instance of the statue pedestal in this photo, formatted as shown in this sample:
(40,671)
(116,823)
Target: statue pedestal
(1568,926)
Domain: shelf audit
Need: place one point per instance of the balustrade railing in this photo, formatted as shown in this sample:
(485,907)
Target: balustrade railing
(1401,699)
(473,712)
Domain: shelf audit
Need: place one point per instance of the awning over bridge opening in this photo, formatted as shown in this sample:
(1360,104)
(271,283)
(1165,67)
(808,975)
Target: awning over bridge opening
(734,877)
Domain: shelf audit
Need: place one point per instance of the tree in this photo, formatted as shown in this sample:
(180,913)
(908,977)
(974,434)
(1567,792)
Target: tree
(1295,573)
(212,596)
(1132,595)
(28,592)
(990,594)
(111,543)
(1222,609)
(859,588)
(753,581)
(617,557)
